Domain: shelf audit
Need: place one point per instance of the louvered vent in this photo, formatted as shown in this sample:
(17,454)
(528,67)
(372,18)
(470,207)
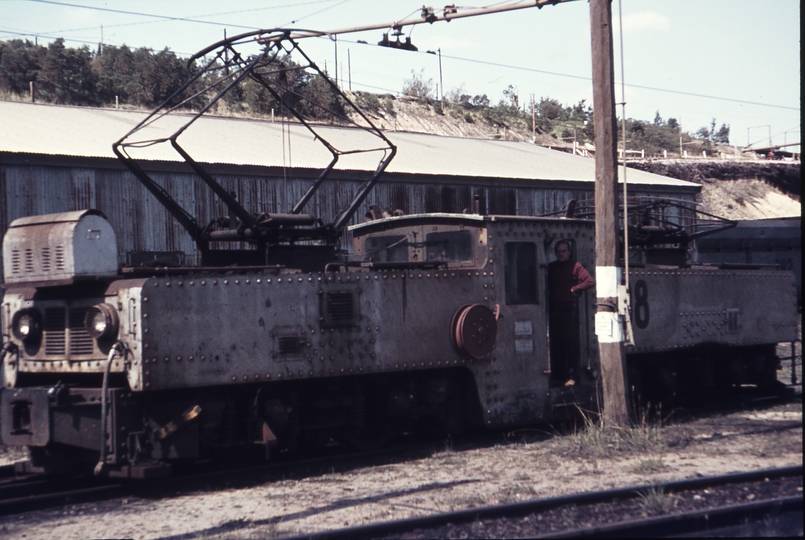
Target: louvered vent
(289,344)
(54,330)
(339,306)
(80,340)
(45,259)
(59,257)
(29,261)
(15,261)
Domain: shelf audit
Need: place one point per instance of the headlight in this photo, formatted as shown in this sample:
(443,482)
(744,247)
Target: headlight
(101,321)
(26,325)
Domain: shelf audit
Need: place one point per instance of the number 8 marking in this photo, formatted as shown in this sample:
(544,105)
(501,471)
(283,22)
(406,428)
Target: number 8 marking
(641,309)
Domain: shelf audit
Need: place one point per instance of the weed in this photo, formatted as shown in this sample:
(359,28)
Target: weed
(369,102)
(650,466)
(762,449)
(646,435)
(645,438)
(594,439)
(515,492)
(655,501)
(596,468)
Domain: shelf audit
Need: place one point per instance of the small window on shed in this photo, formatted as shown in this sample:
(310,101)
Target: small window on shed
(452,246)
(520,269)
(387,248)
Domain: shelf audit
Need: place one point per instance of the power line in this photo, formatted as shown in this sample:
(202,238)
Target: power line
(194,19)
(680,92)
(30,34)
(140,14)
(187,19)
(472,60)
(580,77)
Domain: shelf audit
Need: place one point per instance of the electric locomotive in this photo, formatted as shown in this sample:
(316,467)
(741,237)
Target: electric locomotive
(439,320)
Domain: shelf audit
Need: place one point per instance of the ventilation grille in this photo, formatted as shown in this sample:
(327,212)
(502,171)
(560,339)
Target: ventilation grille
(289,344)
(59,257)
(46,259)
(80,340)
(55,319)
(339,306)
(15,261)
(29,261)
(64,331)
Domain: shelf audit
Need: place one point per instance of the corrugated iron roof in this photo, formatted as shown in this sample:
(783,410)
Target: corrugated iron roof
(90,132)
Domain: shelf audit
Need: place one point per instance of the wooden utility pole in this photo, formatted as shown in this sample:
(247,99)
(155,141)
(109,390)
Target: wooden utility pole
(608,273)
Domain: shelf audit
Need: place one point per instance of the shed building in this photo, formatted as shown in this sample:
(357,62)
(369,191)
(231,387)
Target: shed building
(59,159)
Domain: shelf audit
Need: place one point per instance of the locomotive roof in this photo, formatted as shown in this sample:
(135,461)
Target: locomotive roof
(62,217)
(57,130)
(471,220)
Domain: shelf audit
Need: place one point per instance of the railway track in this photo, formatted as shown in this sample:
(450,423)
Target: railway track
(31,492)
(34,493)
(620,511)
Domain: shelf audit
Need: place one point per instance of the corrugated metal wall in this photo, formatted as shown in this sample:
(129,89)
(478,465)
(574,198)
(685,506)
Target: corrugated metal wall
(142,224)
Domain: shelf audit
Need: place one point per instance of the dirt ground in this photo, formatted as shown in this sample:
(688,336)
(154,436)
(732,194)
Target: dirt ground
(530,465)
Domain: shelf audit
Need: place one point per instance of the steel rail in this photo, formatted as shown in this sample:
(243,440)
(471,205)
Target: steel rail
(716,521)
(398,527)
(37,492)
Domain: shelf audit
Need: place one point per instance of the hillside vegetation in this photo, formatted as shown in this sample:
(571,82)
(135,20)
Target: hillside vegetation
(142,78)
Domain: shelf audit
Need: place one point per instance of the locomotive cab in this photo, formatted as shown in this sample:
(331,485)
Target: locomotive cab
(513,253)
(446,240)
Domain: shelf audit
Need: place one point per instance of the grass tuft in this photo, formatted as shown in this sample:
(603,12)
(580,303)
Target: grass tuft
(655,501)
(650,466)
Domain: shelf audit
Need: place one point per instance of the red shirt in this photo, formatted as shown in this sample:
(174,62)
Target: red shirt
(564,279)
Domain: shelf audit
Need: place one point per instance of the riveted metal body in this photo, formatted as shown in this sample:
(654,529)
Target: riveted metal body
(437,317)
(676,308)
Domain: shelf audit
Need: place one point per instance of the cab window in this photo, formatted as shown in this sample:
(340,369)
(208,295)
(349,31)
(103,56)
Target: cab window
(520,267)
(451,246)
(392,248)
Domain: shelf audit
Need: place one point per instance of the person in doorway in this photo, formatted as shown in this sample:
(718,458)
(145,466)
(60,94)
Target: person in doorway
(567,280)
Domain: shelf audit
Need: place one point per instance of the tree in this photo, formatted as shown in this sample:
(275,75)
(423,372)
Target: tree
(722,135)
(20,62)
(711,135)
(511,95)
(581,111)
(550,109)
(417,86)
(66,75)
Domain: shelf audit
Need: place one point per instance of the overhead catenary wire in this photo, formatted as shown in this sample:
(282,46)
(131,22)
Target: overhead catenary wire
(446,15)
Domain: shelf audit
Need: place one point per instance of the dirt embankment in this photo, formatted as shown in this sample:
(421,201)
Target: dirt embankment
(739,190)
(787,177)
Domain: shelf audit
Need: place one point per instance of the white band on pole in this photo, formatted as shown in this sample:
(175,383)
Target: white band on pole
(607,279)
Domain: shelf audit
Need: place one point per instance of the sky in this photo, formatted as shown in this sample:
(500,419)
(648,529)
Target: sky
(735,61)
